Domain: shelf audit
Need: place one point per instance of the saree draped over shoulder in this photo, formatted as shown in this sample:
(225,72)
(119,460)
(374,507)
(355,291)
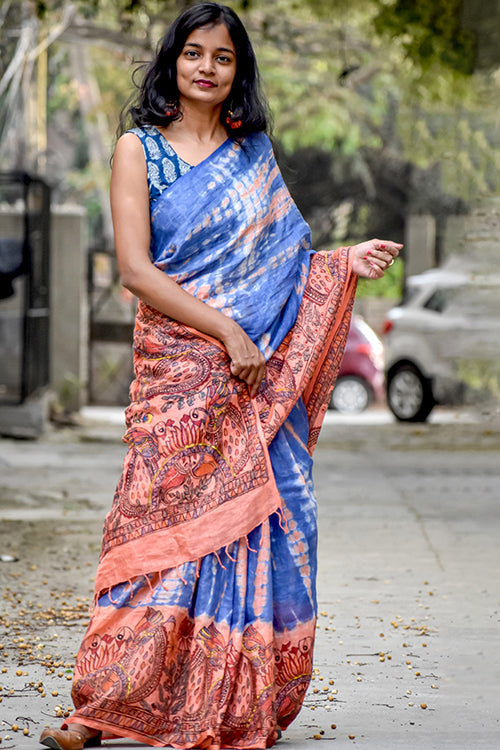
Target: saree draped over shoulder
(204,619)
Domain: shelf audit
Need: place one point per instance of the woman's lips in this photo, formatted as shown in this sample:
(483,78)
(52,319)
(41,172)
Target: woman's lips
(205,84)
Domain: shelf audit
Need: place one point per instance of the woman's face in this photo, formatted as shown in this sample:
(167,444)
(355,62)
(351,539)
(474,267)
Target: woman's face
(206,66)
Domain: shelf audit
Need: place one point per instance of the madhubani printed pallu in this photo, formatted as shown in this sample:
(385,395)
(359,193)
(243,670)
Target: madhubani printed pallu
(203,628)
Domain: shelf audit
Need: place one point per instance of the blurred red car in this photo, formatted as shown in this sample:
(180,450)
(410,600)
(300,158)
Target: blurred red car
(361,378)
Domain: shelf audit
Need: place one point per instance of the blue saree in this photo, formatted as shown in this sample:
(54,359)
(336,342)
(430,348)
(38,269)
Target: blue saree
(203,628)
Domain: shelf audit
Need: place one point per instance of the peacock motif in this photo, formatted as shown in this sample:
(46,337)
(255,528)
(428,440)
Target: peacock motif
(126,666)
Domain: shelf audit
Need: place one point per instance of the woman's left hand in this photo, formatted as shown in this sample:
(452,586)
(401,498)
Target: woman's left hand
(373,258)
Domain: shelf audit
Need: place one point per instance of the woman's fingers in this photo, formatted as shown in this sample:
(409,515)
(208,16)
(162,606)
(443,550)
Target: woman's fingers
(247,361)
(246,370)
(252,375)
(240,372)
(383,253)
(373,258)
(255,378)
(383,258)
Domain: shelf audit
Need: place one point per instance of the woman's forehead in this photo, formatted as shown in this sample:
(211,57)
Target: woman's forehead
(212,35)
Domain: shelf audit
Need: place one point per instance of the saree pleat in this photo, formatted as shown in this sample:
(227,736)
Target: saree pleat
(205,604)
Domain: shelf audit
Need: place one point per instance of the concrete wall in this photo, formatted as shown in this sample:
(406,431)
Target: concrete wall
(474,239)
(471,239)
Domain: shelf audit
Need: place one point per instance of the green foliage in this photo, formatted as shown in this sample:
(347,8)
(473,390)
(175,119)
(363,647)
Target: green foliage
(481,377)
(390,286)
(44,8)
(62,93)
(354,78)
(430,32)
(112,73)
(334,83)
(90,8)
(69,391)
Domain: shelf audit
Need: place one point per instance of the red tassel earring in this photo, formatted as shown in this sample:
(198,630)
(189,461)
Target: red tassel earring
(172,109)
(233,124)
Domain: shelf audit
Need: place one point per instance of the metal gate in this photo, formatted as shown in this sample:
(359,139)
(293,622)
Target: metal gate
(111,325)
(24,286)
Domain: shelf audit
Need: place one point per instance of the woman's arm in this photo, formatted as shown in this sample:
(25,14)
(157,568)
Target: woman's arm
(131,223)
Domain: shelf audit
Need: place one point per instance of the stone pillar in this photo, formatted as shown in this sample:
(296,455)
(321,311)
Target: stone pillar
(454,237)
(473,239)
(420,243)
(69,306)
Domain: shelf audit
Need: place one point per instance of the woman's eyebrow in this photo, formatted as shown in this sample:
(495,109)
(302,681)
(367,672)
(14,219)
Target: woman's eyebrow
(219,49)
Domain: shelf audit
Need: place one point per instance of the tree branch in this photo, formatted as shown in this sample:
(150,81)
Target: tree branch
(25,38)
(79,32)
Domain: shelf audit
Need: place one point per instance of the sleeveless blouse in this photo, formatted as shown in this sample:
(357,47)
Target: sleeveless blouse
(163,164)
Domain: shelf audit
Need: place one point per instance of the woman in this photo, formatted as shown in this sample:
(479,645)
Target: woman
(205,605)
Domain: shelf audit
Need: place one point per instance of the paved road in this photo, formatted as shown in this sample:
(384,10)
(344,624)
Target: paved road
(409,583)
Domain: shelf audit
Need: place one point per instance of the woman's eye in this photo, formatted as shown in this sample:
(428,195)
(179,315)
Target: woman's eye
(224,59)
(191,53)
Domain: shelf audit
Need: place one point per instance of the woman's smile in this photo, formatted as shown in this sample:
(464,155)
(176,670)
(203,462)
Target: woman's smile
(205,84)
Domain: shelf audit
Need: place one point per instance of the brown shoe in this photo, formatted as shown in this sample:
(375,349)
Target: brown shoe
(68,739)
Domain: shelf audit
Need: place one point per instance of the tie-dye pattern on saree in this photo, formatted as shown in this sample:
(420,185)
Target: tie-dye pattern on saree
(203,628)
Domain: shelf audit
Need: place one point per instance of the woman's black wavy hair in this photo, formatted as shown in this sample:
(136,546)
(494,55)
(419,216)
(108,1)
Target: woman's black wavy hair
(158,90)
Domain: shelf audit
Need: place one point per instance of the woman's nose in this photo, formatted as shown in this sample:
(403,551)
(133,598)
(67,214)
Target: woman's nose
(207,64)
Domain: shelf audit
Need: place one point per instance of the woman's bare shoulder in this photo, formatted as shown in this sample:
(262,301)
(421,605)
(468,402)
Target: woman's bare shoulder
(129,155)
(129,143)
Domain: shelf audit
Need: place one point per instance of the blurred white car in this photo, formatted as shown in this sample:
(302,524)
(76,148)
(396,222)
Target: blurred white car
(447,325)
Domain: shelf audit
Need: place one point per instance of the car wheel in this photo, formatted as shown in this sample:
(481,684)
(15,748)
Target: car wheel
(351,395)
(409,394)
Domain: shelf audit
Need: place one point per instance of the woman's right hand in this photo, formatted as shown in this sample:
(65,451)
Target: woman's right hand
(247,361)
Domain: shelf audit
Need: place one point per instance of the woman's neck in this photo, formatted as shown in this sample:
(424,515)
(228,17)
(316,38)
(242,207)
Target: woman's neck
(196,135)
(200,125)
